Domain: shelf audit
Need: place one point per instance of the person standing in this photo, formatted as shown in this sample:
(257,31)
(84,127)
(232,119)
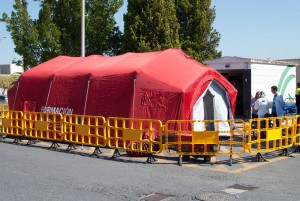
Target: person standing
(277,104)
(262,105)
(254,111)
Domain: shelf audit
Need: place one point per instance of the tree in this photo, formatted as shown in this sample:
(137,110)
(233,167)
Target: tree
(102,35)
(58,29)
(49,34)
(197,36)
(150,25)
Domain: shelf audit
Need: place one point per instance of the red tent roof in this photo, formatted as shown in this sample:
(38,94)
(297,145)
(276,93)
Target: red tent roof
(158,85)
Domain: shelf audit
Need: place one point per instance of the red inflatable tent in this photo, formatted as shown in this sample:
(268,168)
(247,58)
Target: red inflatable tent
(157,85)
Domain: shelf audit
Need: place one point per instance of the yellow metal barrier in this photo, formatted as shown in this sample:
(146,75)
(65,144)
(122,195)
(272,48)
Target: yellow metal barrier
(12,124)
(3,110)
(270,134)
(297,133)
(85,130)
(138,137)
(143,137)
(44,126)
(204,138)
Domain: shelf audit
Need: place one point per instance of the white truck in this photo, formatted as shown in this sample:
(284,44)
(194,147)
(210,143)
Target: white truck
(252,75)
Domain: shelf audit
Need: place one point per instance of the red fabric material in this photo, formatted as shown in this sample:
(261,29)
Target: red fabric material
(157,85)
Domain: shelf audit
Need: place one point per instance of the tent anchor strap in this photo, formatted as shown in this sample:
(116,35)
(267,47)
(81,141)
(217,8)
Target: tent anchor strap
(97,151)
(71,147)
(259,158)
(54,145)
(116,153)
(150,158)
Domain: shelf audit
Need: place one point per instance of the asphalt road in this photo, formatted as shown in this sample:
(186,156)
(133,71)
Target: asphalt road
(36,172)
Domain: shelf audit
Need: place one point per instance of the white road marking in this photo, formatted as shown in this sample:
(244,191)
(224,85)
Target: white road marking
(234,191)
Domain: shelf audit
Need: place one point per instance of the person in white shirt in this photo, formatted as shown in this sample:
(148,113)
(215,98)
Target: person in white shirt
(262,105)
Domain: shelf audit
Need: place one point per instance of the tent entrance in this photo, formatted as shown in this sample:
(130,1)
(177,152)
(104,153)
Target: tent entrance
(213,104)
(208,99)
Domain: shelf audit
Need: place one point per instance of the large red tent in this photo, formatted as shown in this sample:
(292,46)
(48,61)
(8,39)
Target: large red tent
(157,85)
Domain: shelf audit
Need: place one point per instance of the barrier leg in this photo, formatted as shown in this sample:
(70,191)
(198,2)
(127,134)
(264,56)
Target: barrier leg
(2,137)
(97,151)
(116,153)
(259,158)
(180,160)
(54,145)
(17,140)
(285,152)
(297,149)
(31,141)
(230,160)
(150,158)
(70,147)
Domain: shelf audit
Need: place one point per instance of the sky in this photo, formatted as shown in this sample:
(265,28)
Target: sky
(257,29)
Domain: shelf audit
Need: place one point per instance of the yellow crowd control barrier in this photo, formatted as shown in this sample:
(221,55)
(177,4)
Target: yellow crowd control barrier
(3,112)
(44,126)
(204,138)
(297,133)
(3,109)
(12,124)
(138,137)
(146,137)
(85,130)
(270,134)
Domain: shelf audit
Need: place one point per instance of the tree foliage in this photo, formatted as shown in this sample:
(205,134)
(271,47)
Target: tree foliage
(197,36)
(57,31)
(49,33)
(102,33)
(150,25)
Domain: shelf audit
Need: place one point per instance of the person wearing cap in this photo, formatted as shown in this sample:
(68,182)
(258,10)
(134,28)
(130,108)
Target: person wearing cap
(262,105)
(297,96)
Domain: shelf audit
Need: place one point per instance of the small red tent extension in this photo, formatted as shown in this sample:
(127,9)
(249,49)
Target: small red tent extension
(155,85)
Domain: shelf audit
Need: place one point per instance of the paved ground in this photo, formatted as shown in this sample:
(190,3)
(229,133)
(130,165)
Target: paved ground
(240,162)
(36,172)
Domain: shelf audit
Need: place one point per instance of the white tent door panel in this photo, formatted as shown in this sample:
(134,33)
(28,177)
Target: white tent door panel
(212,105)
